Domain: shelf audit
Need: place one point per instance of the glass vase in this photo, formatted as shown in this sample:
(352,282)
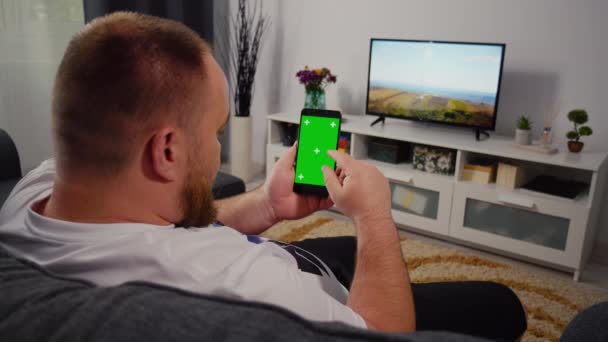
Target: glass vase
(315,99)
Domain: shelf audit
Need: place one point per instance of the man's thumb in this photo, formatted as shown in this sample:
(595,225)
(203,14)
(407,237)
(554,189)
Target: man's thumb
(331,181)
(289,158)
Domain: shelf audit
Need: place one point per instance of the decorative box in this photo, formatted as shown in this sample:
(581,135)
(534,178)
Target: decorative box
(434,159)
(510,175)
(386,150)
(344,143)
(480,171)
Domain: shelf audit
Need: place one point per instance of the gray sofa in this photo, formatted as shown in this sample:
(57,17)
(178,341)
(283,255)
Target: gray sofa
(36,306)
(10,168)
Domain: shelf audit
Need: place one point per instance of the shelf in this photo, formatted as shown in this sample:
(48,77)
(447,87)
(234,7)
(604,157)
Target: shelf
(459,139)
(581,201)
(278,148)
(286,117)
(404,171)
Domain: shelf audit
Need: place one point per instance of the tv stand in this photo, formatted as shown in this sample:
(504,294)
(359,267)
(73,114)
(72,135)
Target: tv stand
(530,225)
(381,119)
(479,132)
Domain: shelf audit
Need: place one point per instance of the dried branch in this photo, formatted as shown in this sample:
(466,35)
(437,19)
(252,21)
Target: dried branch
(241,55)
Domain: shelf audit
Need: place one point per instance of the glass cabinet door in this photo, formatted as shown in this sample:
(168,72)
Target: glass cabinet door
(520,224)
(415,201)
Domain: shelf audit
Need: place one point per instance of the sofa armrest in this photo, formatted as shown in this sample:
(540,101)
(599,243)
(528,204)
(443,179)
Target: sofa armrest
(226,185)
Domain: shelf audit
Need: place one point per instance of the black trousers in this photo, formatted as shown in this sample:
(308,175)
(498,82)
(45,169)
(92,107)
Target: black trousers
(479,308)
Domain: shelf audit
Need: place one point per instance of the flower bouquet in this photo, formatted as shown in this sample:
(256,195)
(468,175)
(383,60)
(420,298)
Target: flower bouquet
(315,81)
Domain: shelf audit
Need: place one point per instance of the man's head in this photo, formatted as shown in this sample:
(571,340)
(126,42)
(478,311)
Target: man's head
(140,98)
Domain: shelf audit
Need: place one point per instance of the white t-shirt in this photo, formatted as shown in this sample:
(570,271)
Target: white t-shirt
(215,260)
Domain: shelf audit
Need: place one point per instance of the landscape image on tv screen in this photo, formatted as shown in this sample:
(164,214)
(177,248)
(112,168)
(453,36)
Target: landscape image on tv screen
(433,81)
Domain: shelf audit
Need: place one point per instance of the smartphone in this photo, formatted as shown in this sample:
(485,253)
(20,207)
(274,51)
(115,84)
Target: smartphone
(319,132)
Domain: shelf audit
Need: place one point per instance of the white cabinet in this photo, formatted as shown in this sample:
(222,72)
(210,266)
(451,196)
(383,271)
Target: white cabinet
(553,231)
(526,225)
(273,153)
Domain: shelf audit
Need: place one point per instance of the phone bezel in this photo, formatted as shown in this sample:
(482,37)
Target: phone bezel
(310,189)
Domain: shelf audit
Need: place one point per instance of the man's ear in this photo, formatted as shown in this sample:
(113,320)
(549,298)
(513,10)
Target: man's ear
(164,154)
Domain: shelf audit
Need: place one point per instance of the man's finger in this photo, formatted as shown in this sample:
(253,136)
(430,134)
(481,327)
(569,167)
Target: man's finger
(331,181)
(343,159)
(289,158)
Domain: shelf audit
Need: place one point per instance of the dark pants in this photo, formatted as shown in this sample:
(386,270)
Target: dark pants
(478,308)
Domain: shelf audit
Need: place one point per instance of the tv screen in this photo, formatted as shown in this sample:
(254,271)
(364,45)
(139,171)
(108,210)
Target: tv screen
(447,82)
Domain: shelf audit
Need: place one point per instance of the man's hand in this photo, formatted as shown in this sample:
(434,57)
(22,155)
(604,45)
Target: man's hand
(380,291)
(279,195)
(359,189)
(256,211)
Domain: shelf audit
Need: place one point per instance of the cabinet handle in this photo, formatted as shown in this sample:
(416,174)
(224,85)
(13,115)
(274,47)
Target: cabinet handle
(516,201)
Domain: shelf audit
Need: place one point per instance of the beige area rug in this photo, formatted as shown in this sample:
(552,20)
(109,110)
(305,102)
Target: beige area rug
(551,302)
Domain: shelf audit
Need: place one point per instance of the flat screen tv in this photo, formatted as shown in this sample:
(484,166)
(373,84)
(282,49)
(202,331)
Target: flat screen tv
(454,83)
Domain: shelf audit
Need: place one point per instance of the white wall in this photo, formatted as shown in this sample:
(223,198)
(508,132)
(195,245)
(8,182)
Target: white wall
(33,36)
(556,53)
(600,26)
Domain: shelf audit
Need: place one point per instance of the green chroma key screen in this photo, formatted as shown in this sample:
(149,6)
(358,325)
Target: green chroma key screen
(317,136)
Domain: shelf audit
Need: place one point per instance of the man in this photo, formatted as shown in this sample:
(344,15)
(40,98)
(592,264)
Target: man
(138,104)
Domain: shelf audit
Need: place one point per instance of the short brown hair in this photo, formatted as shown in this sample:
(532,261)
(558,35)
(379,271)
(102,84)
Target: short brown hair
(120,76)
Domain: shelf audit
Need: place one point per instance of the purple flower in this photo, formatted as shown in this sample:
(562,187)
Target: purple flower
(315,78)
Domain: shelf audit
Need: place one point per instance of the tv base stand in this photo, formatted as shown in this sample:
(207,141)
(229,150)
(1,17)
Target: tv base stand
(381,119)
(479,133)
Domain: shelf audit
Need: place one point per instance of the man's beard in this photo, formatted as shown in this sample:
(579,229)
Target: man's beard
(197,200)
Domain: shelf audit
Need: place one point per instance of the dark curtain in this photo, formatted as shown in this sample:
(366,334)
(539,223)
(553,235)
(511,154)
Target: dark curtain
(196,14)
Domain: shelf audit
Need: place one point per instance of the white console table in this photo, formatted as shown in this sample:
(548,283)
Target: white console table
(545,229)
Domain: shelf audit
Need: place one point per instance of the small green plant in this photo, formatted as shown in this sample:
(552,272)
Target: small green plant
(524,122)
(578,117)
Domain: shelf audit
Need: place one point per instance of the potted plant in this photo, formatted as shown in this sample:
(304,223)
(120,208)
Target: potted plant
(523,132)
(241,59)
(315,81)
(578,117)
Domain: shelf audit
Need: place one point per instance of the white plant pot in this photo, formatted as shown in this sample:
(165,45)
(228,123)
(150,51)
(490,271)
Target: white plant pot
(240,147)
(523,136)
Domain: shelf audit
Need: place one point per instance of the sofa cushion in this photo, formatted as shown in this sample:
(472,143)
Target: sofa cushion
(9,158)
(6,186)
(589,325)
(36,306)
